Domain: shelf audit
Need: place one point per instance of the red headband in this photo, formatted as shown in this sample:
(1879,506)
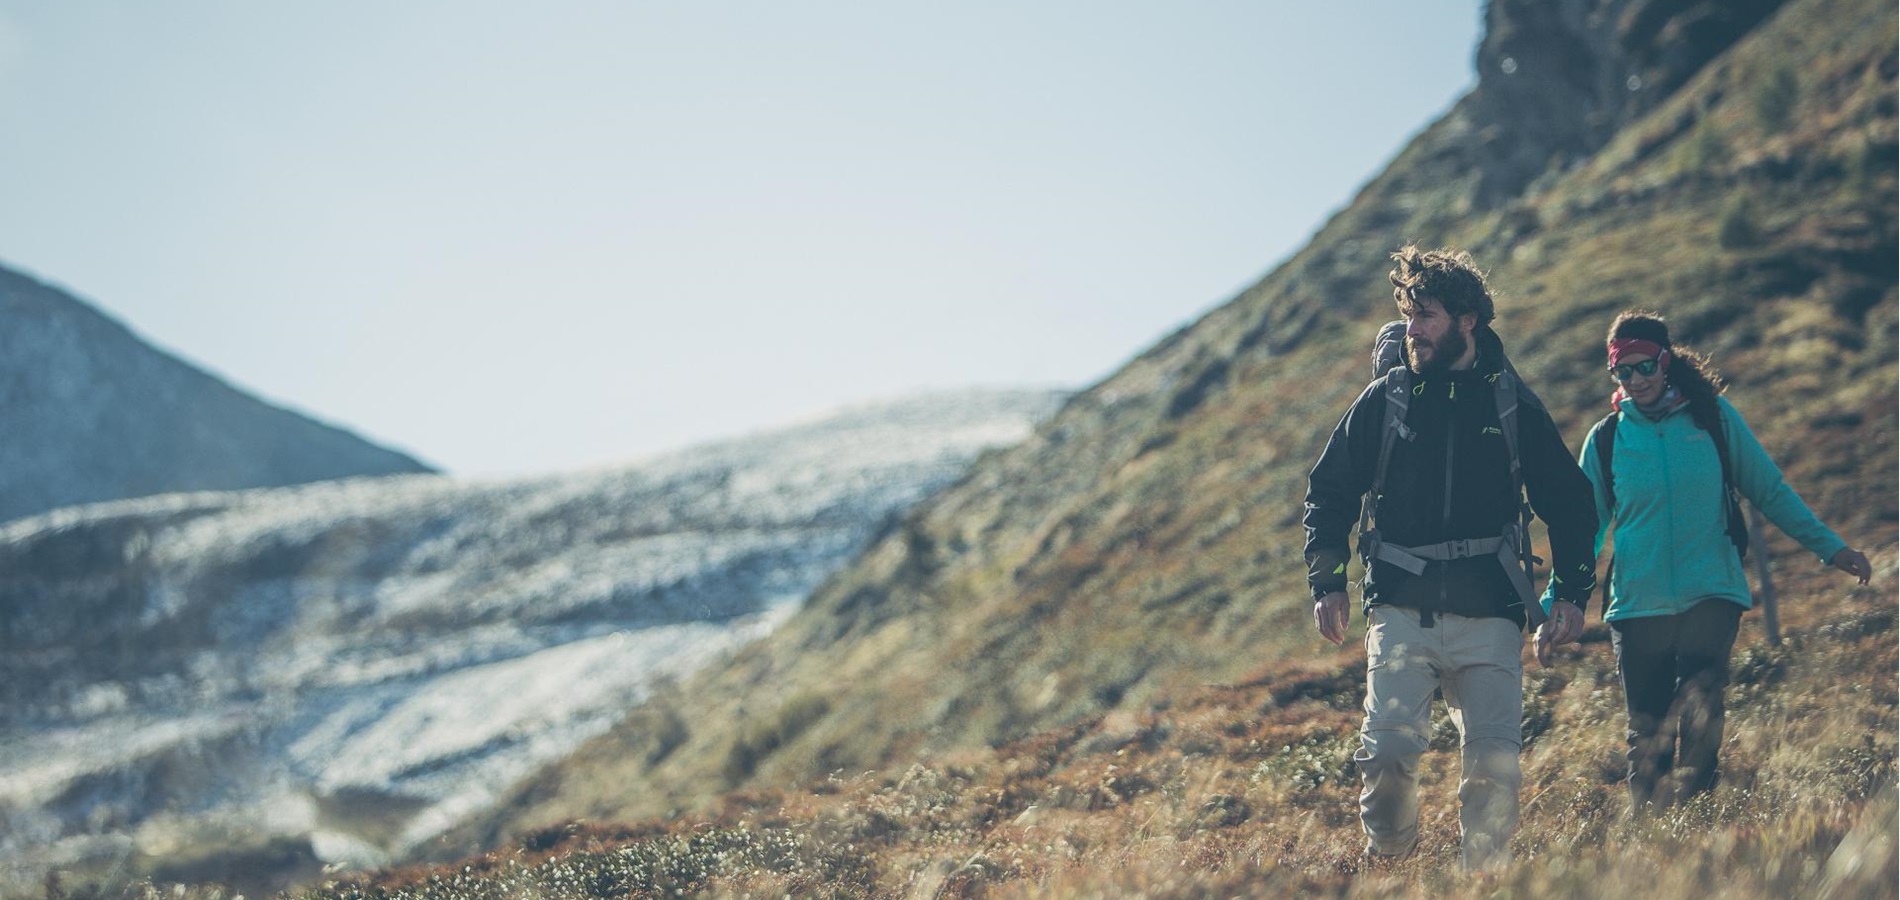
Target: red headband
(1627,346)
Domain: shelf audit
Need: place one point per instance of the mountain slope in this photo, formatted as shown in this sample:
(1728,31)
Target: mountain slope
(93,413)
(1146,540)
(273,680)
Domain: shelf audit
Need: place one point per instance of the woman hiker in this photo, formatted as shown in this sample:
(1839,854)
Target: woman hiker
(1677,590)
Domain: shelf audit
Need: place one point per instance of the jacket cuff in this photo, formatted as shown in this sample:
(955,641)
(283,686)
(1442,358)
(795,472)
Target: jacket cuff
(1575,590)
(1326,574)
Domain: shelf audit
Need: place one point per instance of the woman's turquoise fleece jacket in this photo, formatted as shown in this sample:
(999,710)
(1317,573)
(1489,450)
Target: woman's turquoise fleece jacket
(1672,544)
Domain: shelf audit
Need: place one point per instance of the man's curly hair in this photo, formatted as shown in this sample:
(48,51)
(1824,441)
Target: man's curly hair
(1448,276)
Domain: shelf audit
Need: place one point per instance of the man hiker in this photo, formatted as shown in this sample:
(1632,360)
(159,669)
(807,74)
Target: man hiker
(1443,447)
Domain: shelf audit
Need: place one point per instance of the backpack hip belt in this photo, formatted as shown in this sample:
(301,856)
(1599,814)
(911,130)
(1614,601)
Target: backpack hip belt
(1413,559)
(1505,547)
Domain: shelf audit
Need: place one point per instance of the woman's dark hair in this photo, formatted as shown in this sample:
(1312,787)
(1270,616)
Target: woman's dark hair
(1689,371)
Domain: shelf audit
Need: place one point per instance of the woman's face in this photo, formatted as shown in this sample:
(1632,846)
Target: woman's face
(1644,389)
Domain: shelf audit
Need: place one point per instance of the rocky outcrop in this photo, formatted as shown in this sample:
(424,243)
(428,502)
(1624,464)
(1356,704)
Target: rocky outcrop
(1556,80)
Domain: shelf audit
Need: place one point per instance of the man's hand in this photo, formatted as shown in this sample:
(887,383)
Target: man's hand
(1854,563)
(1564,625)
(1332,613)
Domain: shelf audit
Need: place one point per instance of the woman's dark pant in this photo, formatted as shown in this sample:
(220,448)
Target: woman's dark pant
(1674,671)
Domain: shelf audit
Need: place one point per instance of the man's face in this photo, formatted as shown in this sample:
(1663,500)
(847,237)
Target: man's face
(1434,341)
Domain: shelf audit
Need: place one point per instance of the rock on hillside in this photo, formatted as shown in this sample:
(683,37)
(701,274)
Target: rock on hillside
(265,681)
(1147,539)
(93,413)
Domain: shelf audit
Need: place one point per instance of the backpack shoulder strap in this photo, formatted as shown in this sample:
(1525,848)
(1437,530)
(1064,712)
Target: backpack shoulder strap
(1737,524)
(1720,436)
(1505,388)
(1606,455)
(1520,562)
(1398,402)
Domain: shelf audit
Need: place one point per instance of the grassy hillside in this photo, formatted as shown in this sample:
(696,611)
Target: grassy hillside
(1247,790)
(1090,667)
(1146,540)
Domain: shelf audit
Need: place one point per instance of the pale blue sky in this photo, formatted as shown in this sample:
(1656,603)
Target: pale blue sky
(527,237)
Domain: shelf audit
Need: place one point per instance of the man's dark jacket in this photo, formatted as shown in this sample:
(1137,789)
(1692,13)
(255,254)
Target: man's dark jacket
(1429,499)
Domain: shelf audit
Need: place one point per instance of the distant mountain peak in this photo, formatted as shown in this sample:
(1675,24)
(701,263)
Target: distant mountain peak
(91,412)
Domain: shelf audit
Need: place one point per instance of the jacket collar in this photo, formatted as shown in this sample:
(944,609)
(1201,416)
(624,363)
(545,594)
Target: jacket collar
(1490,350)
(1673,403)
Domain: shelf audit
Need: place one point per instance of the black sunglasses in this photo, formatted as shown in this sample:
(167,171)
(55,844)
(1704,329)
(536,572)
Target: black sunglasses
(1645,368)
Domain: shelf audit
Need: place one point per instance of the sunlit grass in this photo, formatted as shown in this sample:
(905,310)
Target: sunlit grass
(1249,790)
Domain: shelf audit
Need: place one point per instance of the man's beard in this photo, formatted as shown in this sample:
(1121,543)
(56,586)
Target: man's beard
(1448,349)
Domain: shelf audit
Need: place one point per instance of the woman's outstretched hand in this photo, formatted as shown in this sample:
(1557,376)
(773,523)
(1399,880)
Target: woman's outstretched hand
(1854,563)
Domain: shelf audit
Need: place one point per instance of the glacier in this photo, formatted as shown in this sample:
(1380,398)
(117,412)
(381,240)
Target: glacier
(354,667)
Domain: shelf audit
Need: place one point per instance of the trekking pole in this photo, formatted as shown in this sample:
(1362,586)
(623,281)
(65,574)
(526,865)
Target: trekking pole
(1759,543)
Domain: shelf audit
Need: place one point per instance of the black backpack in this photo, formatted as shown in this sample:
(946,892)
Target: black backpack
(1731,503)
(1513,547)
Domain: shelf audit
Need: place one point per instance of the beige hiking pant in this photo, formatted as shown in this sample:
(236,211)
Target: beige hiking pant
(1478,665)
